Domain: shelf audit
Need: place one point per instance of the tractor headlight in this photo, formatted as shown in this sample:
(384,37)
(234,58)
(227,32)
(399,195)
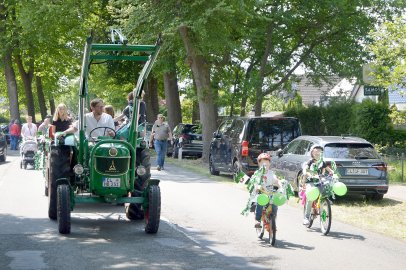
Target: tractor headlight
(113,152)
(141,170)
(78,169)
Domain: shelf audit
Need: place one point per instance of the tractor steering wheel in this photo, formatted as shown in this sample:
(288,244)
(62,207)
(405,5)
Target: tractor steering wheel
(105,129)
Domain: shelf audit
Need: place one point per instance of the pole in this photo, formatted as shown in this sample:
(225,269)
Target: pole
(403,164)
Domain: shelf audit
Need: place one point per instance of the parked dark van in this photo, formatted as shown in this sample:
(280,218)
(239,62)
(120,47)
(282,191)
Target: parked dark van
(238,142)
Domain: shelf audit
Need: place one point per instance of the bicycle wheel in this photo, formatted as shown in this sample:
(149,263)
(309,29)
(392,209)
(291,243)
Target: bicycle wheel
(312,216)
(272,230)
(260,231)
(325,216)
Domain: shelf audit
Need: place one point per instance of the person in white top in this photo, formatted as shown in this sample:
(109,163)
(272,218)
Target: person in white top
(28,130)
(96,118)
(269,180)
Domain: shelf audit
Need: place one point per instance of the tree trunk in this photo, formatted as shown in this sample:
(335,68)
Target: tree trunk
(262,70)
(52,105)
(11,85)
(41,97)
(151,99)
(243,104)
(172,98)
(195,105)
(201,74)
(27,77)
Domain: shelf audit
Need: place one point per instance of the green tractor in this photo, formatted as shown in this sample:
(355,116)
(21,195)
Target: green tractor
(105,169)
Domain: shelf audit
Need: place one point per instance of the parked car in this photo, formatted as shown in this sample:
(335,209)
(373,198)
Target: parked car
(189,138)
(3,147)
(238,142)
(148,130)
(5,129)
(360,166)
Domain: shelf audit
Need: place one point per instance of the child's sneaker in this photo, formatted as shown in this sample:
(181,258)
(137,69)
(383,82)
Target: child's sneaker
(306,221)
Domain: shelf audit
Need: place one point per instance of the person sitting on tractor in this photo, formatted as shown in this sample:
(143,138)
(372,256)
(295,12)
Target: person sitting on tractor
(95,119)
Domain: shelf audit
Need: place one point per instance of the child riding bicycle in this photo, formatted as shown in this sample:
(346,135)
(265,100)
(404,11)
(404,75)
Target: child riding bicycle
(267,182)
(315,166)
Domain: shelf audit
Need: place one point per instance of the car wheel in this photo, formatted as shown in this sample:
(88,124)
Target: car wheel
(3,157)
(175,152)
(377,197)
(236,168)
(212,169)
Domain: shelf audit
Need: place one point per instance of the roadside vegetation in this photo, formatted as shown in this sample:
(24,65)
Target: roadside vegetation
(387,217)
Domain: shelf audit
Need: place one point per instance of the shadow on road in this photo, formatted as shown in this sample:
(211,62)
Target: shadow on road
(281,244)
(338,235)
(112,244)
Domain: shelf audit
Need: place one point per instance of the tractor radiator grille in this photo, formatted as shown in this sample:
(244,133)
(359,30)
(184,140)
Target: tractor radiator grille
(112,166)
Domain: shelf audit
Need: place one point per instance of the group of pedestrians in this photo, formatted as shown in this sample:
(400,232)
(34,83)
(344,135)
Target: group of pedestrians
(26,131)
(100,116)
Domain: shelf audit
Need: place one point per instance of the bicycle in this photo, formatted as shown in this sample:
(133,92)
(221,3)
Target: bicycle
(268,218)
(321,206)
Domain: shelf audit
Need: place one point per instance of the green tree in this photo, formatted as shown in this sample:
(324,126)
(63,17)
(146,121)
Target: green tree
(372,122)
(389,54)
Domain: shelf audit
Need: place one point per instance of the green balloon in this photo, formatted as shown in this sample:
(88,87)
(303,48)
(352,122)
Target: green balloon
(278,199)
(340,188)
(262,199)
(312,193)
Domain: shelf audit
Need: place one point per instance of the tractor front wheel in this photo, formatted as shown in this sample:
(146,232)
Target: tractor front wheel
(153,212)
(63,206)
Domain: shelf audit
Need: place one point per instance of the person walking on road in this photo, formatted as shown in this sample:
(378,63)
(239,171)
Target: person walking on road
(29,129)
(160,135)
(15,132)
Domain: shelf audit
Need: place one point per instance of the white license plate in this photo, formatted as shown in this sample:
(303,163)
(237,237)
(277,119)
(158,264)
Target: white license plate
(355,171)
(197,142)
(111,182)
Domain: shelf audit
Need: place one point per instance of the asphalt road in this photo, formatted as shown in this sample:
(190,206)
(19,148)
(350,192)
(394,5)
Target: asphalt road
(200,228)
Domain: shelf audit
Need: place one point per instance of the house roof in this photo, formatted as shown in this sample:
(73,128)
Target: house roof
(311,93)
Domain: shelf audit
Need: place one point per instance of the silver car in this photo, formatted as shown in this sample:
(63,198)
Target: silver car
(360,166)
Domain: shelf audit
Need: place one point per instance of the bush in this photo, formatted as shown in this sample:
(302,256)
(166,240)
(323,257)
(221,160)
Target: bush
(371,121)
(311,119)
(338,117)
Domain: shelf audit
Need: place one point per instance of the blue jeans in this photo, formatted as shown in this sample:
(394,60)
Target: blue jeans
(13,142)
(160,148)
(258,211)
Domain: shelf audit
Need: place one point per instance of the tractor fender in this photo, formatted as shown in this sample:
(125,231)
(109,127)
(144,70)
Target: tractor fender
(62,181)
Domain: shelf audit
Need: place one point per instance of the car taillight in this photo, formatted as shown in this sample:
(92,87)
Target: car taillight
(381,167)
(244,149)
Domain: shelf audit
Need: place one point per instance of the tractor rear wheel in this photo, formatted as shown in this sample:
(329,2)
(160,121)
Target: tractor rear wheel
(143,159)
(59,167)
(133,211)
(63,205)
(153,211)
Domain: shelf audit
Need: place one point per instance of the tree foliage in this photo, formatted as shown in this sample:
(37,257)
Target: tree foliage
(389,51)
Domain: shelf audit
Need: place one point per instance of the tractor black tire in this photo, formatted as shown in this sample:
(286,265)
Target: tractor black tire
(153,211)
(59,167)
(133,211)
(63,206)
(143,158)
